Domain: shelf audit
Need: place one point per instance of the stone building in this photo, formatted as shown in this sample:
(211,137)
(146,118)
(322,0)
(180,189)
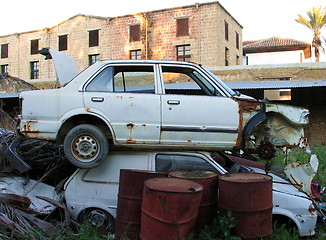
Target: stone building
(204,33)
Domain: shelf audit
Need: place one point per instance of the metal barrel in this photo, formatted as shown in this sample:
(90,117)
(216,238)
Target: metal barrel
(169,208)
(208,204)
(131,186)
(249,197)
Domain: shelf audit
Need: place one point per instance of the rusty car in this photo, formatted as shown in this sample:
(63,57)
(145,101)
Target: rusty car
(152,104)
(92,194)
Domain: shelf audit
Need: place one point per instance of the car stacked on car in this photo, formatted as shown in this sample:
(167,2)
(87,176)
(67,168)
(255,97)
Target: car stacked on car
(166,110)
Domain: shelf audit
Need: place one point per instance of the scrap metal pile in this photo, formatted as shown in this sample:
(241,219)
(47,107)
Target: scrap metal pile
(25,203)
(34,199)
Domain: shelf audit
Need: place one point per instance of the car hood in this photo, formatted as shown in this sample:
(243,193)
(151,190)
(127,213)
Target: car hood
(281,185)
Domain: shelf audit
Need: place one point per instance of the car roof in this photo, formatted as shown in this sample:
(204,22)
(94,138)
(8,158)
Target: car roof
(134,61)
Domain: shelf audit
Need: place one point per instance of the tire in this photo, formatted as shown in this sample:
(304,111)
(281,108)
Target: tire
(98,218)
(86,146)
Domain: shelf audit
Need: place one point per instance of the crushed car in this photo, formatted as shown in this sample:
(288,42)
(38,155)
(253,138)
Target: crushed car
(97,202)
(151,104)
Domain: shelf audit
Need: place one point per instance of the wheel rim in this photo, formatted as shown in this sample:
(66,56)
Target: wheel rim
(85,148)
(98,218)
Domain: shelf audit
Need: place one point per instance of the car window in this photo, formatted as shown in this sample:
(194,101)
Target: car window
(169,162)
(186,81)
(134,79)
(137,79)
(103,82)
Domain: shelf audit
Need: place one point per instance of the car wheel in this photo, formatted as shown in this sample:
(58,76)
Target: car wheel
(99,219)
(85,146)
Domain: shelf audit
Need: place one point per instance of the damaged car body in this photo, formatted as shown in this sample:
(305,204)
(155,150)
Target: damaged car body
(153,104)
(97,203)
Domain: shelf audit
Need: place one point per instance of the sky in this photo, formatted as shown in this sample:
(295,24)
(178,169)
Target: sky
(260,19)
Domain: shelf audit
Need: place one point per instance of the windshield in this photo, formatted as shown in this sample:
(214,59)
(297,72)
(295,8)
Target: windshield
(221,83)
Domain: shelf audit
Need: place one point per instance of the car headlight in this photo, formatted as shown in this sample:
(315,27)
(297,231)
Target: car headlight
(312,208)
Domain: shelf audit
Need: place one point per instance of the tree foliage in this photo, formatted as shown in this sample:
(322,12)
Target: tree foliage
(315,21)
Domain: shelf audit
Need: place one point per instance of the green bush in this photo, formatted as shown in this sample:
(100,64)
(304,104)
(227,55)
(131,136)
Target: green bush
(220,229)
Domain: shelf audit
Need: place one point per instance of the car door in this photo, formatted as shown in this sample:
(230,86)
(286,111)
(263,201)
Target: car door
(125,95)
(195,112)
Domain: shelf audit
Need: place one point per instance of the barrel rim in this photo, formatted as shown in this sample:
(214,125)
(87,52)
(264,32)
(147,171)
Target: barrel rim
(187,186)
(213,174)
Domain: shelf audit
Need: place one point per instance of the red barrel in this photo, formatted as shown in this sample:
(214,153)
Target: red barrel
(131,186)
(249,197)
(169,208)
(208,204)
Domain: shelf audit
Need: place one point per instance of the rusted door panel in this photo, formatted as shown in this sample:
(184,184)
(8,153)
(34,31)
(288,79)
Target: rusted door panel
(199,120)
(135,118)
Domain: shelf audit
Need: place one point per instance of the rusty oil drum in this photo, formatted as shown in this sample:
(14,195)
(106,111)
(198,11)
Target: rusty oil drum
(169,208)
(208,204)
(249,197)
(131,186)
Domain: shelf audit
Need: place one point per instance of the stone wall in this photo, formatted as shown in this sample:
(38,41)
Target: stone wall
(295,71)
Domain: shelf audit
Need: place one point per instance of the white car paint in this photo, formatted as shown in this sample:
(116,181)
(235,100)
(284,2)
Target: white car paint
(98,187)
(149,104)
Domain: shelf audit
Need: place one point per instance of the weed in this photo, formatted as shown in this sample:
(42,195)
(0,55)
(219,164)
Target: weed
(284,233)
(220,229)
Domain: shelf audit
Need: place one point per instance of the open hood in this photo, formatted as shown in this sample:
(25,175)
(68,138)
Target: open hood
(65,66)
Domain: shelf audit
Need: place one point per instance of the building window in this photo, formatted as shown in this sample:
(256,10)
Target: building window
(182,27)
(237,40)
(93,38)
(135,54)
(63,42)
(4,50)
(183,53)
(34,46)
(4,69)
(35,70)
(134,33)
(226,30)
(93,58)
(226,57)
(278,94)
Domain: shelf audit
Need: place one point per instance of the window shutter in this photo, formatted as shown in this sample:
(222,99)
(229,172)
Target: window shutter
(93,38)
(226,28)
(182,27)
(63,43)
(4,51)
(34,46)
(134,33)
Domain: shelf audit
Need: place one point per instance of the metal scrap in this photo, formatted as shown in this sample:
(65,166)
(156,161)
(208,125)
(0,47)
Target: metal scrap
(15,200)
(302,174)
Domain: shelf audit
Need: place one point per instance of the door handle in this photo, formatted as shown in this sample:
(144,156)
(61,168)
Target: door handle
(97,99)
(173,102)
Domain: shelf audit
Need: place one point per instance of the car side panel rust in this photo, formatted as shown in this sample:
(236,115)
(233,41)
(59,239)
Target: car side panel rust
(247,109)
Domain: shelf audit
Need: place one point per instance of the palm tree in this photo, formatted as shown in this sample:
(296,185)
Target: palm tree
(316,21)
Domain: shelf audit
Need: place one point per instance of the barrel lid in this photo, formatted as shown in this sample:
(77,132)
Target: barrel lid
(193,173)
(175,185)
(245,177)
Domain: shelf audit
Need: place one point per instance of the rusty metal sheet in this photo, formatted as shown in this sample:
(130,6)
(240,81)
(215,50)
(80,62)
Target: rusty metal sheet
(302,174)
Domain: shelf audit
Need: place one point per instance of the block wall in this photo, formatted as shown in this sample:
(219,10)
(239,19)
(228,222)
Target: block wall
(158,39)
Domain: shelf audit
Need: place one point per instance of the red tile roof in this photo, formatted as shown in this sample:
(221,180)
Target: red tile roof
(274,44)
